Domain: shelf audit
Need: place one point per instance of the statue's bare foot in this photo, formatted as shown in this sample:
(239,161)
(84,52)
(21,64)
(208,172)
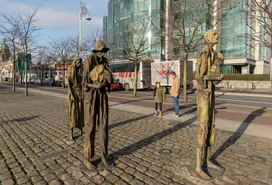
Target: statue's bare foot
(214,166)
(202,174)
(105,162)
(89,165)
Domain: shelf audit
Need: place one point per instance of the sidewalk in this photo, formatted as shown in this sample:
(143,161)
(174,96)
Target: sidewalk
(144,149)
(227,125)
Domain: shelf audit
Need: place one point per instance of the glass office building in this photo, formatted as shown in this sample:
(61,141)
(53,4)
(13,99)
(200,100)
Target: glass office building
(126,12)
(242,54)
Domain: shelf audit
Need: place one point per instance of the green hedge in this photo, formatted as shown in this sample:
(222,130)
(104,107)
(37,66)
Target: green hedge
(247,77)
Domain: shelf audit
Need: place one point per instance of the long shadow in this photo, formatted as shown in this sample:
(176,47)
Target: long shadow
(239,132)
(126,102)
(149,140)
(111,126)
(143,117)
(24,119)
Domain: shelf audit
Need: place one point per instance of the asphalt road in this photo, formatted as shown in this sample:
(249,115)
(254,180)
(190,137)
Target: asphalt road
(237,100)
(229,99)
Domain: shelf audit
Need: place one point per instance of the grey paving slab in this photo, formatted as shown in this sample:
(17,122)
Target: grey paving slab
(33,150)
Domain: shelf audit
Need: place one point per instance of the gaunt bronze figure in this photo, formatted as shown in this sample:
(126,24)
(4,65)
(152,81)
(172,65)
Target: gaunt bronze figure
(207,75)
(96,76)
(75,101)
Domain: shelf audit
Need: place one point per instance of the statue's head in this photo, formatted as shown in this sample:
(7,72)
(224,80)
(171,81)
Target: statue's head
(100,48)
(77,61)
(211,37)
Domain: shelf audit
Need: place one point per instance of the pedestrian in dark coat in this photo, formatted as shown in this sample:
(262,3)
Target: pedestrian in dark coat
(159,97)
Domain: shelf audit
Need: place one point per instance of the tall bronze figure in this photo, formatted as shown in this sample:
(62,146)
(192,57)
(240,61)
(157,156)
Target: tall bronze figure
(75,99)
(207,75)
(96,76)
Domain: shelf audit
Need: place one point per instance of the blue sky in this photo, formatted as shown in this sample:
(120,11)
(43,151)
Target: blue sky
(58,18)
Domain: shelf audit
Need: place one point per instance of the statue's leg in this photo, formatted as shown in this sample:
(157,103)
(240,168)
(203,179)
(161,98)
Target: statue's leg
(209,163)
(81,117)
(71,135)
(202,131)
(199,157)
(211,135)
(89,135)
(103,129)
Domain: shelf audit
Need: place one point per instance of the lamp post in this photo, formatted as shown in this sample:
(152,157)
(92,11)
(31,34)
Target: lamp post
(270,74)
(82,12)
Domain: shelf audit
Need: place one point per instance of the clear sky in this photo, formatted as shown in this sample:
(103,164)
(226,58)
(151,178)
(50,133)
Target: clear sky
(58,18)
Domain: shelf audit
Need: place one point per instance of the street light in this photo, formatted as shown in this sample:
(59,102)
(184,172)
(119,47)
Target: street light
(83,12)
(270,72)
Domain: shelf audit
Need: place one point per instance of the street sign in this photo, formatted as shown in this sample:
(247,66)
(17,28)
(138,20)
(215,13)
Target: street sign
(22,60)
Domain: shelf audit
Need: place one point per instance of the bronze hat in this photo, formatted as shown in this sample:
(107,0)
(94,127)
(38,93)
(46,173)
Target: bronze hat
(100,47)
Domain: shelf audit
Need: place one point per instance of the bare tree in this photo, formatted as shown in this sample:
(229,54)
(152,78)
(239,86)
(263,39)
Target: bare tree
(93,38)
(186,21)
(135,44)
(61,51)
(26,28)
(259,13)
(43,61)
(88,43)
(10,32)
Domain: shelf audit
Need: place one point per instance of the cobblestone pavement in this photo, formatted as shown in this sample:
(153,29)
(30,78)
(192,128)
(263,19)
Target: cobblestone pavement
(33,149)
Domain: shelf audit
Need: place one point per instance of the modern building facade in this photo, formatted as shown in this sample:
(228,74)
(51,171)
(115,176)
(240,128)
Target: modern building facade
(243,55)
(123,13)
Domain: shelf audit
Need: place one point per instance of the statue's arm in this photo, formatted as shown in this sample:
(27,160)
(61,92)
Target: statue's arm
(200,68)
(70,85)
(85,75)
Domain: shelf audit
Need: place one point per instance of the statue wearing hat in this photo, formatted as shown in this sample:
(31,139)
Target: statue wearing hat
(207,75)
(75,102)
(96,107)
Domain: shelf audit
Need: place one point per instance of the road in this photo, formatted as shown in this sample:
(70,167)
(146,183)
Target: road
(246,100)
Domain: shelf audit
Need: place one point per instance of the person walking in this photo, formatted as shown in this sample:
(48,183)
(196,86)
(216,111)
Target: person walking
(175,91)
(159,97)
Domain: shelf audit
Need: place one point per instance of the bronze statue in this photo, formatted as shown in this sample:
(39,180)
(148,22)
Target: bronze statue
(207,75)
(96,76)
(75,101)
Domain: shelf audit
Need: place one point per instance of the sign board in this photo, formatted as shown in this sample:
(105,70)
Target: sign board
(21,61)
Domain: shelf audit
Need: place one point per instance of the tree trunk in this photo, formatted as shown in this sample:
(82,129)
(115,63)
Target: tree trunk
(21,77)
(63,79)
(136,69)
(185,77)
(26,66)
(13,72)
(42,77)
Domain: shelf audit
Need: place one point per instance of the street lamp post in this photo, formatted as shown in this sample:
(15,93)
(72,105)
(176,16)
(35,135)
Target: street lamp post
(82,12)
(270,74)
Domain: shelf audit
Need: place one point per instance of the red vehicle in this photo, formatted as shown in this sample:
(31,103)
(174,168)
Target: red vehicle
(116,85)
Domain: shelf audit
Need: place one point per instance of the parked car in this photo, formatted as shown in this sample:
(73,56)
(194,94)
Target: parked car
(116,85)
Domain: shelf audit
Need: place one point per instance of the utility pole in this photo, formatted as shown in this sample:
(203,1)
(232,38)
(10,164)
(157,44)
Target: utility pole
(80,28)
(270,74)
(82,12)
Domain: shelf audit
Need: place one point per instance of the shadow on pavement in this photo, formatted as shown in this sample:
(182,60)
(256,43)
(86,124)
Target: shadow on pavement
(239,132)
(149,140)
(24,119)
(170,110)
(126,102)
(111,126)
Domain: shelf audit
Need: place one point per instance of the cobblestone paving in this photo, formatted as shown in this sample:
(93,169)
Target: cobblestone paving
(33,149)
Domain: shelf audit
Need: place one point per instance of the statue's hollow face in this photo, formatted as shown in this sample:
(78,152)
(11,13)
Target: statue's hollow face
(212,37)
(78,63)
